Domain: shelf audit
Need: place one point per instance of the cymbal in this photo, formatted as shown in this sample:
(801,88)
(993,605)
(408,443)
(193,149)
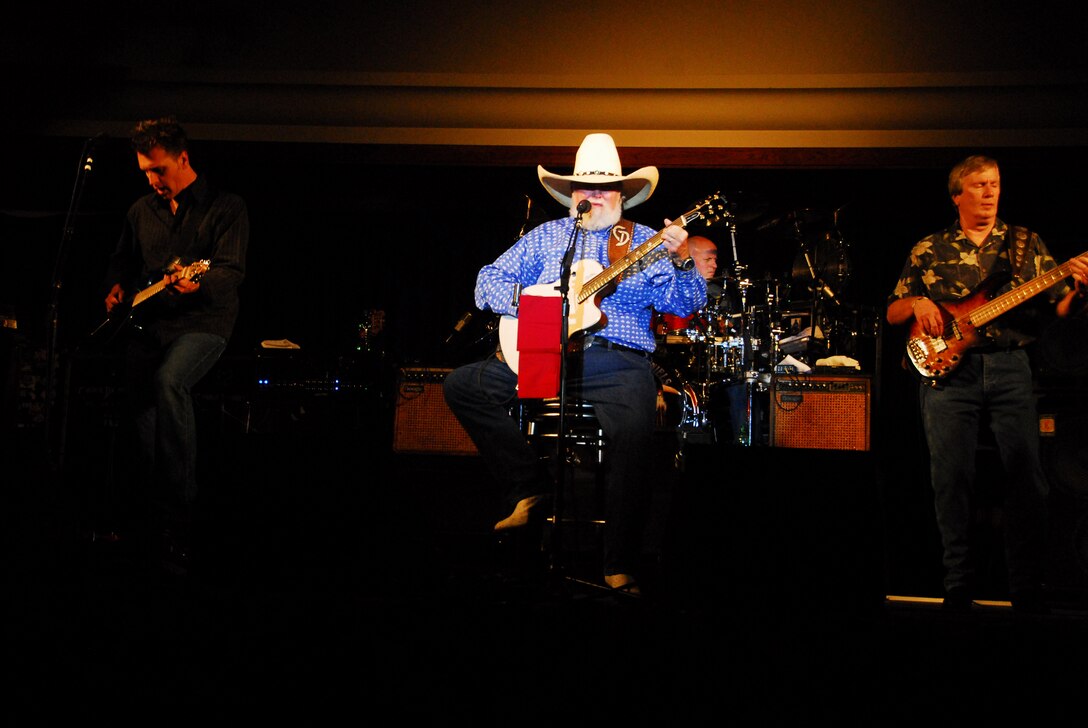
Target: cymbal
(794,221)
(827,259)
(746,207)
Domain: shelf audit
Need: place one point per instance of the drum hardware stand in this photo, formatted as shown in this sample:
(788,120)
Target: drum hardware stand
(740,272)
(749,371)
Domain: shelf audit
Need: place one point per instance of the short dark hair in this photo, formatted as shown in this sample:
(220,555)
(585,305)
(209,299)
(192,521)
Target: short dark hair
(163,132)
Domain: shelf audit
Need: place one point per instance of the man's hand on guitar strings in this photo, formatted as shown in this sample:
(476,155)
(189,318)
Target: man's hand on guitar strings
(114,297)
(929,316)
(673,237)
(178,281)
(1079,271)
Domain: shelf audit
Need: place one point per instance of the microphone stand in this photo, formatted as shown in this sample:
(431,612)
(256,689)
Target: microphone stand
(817,290)
(820,292)
(86,164)
(561,436)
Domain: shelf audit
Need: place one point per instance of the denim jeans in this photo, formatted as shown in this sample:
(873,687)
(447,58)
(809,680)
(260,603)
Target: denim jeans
(165,420)
(620,385)
(993,389)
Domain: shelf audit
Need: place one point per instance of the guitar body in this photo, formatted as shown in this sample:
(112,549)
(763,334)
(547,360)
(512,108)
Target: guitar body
(124,316)
(583,316)
(121,318)
(938,357)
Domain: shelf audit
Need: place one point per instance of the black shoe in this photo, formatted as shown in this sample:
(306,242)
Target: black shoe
(957,600)
(1029,601)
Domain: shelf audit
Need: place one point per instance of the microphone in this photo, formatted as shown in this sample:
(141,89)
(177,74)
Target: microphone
(461,323)
(583,207)
(87,163)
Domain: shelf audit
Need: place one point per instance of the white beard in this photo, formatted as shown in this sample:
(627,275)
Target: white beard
(602,220)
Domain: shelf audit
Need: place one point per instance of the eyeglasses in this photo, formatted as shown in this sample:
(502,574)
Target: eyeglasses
(597,189)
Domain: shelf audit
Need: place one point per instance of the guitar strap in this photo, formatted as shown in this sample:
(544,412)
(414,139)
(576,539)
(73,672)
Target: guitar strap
(619,242)
(1016,244)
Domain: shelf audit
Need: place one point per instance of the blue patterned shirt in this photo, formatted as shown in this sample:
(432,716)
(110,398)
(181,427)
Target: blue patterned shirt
(653,283)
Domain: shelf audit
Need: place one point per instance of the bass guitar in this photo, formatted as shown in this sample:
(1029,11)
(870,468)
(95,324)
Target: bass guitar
(122,314)
(937,357)
(589,283)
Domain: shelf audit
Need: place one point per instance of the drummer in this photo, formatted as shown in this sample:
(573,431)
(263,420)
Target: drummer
(705,254)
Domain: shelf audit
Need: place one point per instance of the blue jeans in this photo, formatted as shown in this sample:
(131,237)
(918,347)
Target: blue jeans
(993,389)
(621,387)
(166,422)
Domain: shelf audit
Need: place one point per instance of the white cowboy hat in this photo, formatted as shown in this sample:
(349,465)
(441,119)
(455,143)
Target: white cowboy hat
(598,163)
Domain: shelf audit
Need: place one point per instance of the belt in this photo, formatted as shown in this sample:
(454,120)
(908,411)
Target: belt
(608,344)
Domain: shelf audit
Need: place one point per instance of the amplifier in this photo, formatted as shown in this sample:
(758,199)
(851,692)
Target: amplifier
(822,412)
(423,422)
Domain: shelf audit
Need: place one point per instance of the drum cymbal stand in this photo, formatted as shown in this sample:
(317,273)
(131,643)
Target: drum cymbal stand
(822,295)
(703,361)
(740,275)
(742,394)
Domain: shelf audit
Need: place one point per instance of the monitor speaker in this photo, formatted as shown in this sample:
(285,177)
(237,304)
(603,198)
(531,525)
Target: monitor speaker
(822,412)
(423,422)
(1063,430)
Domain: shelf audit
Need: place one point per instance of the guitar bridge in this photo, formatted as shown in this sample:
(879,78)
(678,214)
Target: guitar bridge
(922,348)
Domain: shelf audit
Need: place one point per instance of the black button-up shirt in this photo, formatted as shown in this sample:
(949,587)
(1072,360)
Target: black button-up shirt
(209,225)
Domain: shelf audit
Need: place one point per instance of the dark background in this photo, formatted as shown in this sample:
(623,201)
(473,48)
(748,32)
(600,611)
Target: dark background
(337,234)
(386,152)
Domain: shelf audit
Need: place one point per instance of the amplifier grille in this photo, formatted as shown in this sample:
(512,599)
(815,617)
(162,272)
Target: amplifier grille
(423,422)
(822,412)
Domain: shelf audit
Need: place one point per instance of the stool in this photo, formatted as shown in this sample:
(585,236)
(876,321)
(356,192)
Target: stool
(540,423)
(582,506)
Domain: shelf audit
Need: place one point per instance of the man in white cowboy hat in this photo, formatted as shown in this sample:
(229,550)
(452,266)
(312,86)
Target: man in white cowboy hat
(613,369)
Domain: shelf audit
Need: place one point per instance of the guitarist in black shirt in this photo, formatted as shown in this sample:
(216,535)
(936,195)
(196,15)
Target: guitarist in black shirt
(184,226)
(978,374)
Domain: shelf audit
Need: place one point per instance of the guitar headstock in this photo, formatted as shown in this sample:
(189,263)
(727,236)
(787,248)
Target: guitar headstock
(194,270)
(711,210)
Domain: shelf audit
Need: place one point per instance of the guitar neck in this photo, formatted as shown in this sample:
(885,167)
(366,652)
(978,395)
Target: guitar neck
(990,310)
(147,293)
(617,268)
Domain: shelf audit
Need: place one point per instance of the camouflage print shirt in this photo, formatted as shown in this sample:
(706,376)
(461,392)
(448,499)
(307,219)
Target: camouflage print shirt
(948,266)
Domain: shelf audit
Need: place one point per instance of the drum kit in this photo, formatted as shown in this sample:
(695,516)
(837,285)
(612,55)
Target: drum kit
(716,366)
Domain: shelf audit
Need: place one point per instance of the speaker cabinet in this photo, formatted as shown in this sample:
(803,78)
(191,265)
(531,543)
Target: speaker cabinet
(1063,432)
(423,422)
(822,412)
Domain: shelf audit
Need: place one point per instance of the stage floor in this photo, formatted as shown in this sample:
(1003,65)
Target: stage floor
(336,579)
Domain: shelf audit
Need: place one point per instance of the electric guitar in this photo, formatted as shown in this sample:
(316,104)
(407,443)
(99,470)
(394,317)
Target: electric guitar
(937,357)
(121,316)
(589,283)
